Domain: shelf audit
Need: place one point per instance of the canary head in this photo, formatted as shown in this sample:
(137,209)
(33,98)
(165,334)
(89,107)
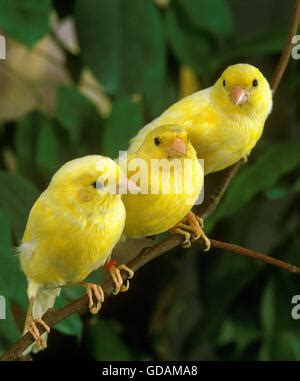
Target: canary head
(242,89)
(167,141)
(88,179)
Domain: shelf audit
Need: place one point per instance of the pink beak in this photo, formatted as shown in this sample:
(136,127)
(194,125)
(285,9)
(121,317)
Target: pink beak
(238,95)
(177,148)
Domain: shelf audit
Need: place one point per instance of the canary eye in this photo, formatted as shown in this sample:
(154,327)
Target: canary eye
(255,82)
(224,82)
(157,141)
(98,185)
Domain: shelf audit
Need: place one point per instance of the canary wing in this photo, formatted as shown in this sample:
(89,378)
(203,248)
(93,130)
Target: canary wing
(184,113)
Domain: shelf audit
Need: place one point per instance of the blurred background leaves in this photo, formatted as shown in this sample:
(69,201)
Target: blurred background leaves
(82,77)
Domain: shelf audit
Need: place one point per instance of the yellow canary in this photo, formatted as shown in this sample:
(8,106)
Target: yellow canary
(171,186)
(71,231)
(225,121)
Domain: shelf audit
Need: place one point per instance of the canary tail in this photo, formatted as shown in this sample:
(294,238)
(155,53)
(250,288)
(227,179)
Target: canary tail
(43,300)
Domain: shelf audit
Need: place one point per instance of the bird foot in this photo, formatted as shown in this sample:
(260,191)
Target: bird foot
(95,295)
(115,272)
(34,331)
(191,227)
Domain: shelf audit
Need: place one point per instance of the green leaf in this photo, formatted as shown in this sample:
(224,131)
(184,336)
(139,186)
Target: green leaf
(40,145)
(17,196)
(26,21)
(97,276)
(26,141)
(295,344)
(9,332)
(189,47)
(124,122)
(122,42)
(270,42)
(213,16)
(286,346)
(104,342)
(277,192)
(236,274)
(71,326)
(280,332)
(283,189)
(262,43)
(10,271)
(75,112)
(238,331)
(268,319)
(276,161)
(73,292)
(48,157)
(296,185)
(160,92)
(12,283)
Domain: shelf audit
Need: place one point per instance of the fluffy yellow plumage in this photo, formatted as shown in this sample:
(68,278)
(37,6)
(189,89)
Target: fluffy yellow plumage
(225,121)
(175,191)
(71,231)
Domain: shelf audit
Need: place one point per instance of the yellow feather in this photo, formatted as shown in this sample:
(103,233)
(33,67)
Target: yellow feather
(151,214)
(71,229)
(221,131)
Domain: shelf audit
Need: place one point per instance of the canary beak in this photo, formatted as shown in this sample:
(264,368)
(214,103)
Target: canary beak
(126,186)
(177,148)
(239,95)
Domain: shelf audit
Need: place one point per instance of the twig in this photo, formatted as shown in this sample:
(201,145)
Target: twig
(223,179)
(256,255)
(52,316)
(286,53)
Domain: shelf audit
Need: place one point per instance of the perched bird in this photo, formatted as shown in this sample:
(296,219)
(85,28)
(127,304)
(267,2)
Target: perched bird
(172,182)
(71,231)
(225,121)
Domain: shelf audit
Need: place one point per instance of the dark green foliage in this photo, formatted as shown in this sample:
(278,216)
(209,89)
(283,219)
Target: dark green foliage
(124,41)
(185,305)
(26,21)
(124,122)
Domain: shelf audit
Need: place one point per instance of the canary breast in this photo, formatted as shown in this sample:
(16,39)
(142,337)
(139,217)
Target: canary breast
(155,212)
(225,140)
(61,246)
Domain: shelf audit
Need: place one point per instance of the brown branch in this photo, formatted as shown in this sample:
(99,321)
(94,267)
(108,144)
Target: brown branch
(256,255)
(286,53)
(222,180)
(52,316)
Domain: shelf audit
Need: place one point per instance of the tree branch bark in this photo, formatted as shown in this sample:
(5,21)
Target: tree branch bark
(52,317)
(256,255)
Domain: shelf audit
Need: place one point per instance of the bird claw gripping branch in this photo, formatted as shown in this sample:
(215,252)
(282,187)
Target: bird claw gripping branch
(115,272)
(94,291)
(34,331)
(192,228)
